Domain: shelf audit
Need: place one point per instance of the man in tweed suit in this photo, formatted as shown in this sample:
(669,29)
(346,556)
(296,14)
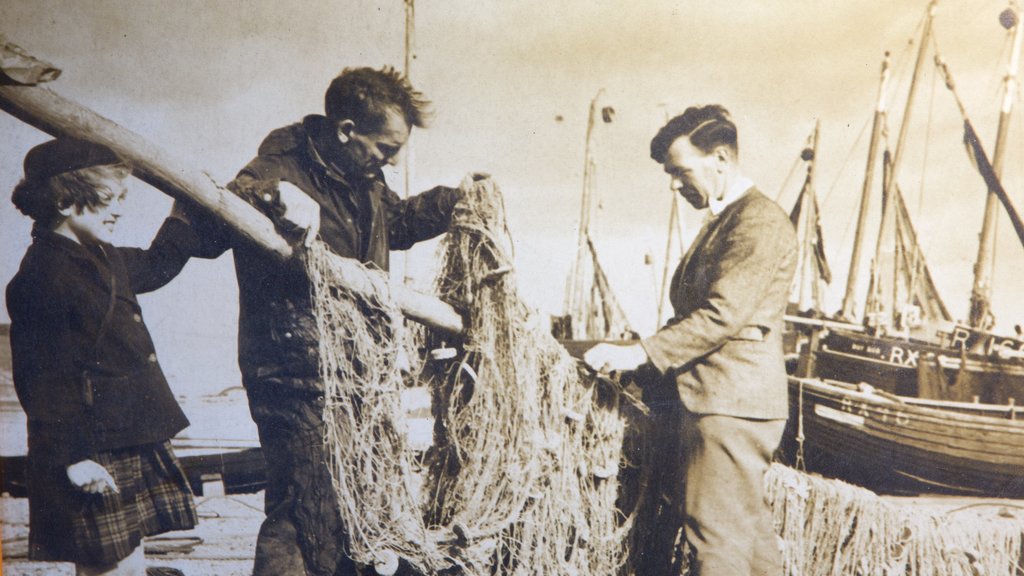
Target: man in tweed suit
(722,350)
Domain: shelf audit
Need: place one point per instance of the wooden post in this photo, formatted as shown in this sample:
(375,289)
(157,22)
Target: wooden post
(58,116)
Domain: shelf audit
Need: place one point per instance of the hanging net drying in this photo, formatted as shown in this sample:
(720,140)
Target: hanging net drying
(829,527)
(528,470)
(522,474)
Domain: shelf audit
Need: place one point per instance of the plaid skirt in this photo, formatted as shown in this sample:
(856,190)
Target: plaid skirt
(68,525)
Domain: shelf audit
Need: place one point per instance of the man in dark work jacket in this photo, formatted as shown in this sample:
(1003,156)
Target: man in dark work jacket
(322,173)
(722,350)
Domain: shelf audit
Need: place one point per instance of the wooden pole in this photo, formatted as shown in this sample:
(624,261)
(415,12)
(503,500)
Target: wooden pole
(60,117)
(410,39)
(849,311)
(889,189)
(575,306)
(980,310)
(673,215)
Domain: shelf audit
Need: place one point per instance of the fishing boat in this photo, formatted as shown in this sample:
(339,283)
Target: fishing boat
(894,444)
(891,402)
(592,312)
(905,321)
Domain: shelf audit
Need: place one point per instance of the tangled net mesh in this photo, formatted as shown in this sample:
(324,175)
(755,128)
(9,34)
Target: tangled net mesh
(370,461)
(522,474)
(531,461)
(831,527)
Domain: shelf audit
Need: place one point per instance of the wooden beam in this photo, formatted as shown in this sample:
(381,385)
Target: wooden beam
(58,116)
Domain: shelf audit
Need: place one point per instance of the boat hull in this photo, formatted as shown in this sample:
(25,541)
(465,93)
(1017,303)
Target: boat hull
(894,445)
(893,365)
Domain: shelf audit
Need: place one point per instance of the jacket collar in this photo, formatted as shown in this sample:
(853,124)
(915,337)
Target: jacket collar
(95,255)
(51,239)
(323,149)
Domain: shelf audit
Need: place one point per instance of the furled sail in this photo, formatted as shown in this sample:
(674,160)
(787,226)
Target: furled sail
(812,266)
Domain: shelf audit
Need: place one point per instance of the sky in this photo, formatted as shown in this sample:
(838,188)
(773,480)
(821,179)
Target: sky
(511,84)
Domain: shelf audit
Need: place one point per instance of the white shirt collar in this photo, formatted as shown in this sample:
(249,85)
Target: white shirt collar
(739,186)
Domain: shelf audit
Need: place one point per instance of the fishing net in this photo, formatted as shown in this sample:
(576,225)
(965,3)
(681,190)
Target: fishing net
(370,461)
(830,527)
(522,477)
(531,464)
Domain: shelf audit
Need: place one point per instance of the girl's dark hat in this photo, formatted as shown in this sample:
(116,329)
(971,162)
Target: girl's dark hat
(66,155)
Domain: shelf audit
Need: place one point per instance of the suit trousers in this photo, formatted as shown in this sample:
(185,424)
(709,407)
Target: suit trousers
(728,520)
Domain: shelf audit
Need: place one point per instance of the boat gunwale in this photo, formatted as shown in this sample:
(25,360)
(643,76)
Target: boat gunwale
(976,414)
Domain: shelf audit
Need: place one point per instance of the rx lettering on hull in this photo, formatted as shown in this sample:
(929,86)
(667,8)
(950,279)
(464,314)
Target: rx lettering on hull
(904,356)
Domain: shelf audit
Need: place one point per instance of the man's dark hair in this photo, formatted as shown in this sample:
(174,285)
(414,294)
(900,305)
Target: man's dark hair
(364,96)
(708,127)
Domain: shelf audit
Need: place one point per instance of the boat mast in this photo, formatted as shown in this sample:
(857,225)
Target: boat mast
(808,275)
(984,267)
(574,293)
(675,232)
(849,310)
(889,187)
(673,227)
(409,48)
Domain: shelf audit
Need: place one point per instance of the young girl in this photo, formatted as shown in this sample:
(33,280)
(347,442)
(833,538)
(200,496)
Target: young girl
(101,474)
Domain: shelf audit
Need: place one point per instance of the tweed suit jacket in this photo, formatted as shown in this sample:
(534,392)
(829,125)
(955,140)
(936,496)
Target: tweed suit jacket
(723,347)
